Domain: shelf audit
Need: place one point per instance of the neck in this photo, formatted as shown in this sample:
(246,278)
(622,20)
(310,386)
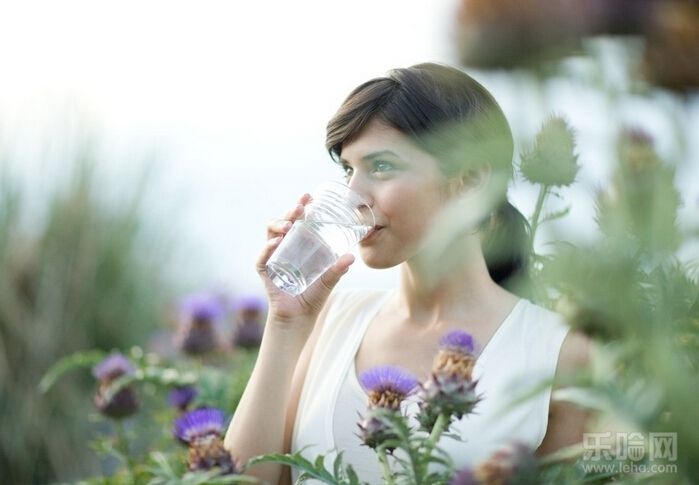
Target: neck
(466,289)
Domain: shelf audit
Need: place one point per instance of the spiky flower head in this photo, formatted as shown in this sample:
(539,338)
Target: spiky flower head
(514,464)
(202,429)
(202,306)
(465,476)
(248,334)
(199,314)
(112,367)
(118,404)
(182,396)
(455,356)
(376,428)
(450,389)
(387,385)
(208,452)
(199,423)
(552,161)
(249,306)
(448,394)
(642,200)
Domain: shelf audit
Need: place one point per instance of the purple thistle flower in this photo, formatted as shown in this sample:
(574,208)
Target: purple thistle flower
(199,314)
(208,452)
(204,306)
(120,405)
(458,341)
(515,463)
(387,385)
(465,476)
(124,402)
(448,394)
(201,429)
(182,396)
(113,367)
(198,424)
(248,334)
(249,303)
(455,356)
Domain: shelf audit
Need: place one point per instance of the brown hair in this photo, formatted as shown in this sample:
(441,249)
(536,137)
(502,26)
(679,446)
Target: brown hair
(453,117)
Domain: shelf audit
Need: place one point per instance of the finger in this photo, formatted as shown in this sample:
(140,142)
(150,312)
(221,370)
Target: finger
(330,278)
(282,226)
(278,227)
(271,245)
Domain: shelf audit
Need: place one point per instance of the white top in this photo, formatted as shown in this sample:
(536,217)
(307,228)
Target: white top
(522,353)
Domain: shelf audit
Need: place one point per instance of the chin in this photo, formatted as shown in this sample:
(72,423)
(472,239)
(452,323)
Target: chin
(376,262)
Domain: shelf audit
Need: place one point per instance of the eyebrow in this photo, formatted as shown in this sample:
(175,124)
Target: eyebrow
(371,156)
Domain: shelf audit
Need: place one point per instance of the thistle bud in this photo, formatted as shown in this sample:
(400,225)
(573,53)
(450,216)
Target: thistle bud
(199,315)
(201,430)
(124,402)
(387,387)
(182,396)
(552,160)
(450,389)
(513,465)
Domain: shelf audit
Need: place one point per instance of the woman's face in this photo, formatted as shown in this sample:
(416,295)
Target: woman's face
(404,186)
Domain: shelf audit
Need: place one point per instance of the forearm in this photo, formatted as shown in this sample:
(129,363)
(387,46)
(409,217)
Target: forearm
(258,424)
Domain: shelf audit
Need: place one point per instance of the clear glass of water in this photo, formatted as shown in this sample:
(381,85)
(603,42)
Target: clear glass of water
(335,220)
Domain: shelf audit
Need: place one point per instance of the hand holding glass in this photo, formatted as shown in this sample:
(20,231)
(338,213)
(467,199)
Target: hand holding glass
(335,220)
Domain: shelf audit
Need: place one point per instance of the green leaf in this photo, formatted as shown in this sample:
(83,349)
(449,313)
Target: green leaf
(555,215)
(88,358)
(337,465)
(352,475)
(316,470)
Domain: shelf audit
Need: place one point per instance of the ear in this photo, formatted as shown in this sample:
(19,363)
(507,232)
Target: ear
(475,179)
(470,182)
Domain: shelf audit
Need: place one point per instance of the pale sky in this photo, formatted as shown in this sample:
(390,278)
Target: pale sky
(232,99)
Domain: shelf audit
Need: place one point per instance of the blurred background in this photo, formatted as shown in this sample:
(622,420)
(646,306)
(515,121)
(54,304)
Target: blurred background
(145,145)
(226,103)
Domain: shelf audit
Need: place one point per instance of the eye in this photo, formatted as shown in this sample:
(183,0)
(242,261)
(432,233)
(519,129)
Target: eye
(347,169)
(382,166)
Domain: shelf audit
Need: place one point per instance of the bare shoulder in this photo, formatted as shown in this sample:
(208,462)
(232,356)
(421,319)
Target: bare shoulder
(576,352)
(566,421)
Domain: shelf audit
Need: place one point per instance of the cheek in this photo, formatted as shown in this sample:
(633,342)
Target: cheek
(410,212)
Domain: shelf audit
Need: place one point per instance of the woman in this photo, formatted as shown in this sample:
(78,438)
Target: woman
(410,143)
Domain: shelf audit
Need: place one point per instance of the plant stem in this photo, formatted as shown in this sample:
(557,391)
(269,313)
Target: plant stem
(437,430)
(537,212)
(122,445)
(387,473)
(431,442)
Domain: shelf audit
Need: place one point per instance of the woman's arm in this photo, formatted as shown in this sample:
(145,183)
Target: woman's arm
(567,422)
(258,424)
(264,419)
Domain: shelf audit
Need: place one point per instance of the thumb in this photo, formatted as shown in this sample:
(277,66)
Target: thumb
(316,295)
(331,277)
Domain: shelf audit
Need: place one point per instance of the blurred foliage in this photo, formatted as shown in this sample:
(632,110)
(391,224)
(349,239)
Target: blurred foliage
(89,275)
(142,448)
(626,286)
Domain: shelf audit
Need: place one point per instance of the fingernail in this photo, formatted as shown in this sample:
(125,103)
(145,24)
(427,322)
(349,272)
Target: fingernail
(288,224)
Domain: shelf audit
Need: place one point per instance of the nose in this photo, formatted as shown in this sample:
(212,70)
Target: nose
(362,189)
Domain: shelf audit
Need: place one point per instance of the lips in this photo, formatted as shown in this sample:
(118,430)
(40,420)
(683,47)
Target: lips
(372,232)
